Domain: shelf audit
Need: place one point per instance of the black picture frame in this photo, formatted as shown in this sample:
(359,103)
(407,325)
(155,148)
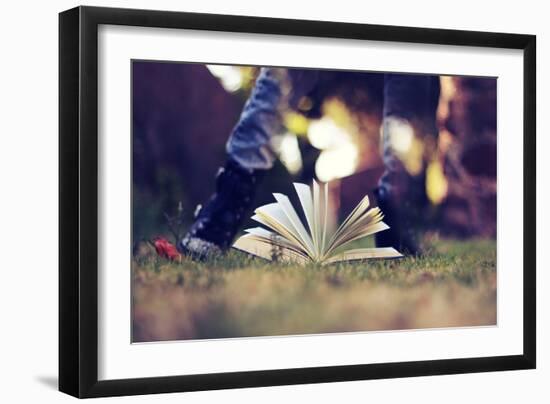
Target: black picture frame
(78,201)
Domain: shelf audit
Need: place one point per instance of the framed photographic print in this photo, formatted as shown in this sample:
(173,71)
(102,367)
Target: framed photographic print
(253,201)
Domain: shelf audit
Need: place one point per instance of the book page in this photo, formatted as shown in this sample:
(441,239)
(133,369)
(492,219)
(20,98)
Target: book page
(295,221)
(362,226)
(365,253)
(249,244)
(348,238)
(306,200)
(317,215)
(273,216)
(325,219)
(267,236)
(350,220)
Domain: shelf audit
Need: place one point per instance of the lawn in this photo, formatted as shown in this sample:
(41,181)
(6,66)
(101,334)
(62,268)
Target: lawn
(452,285)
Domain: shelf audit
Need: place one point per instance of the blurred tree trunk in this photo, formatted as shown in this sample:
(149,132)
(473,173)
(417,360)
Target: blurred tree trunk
(468,115)
(181,117)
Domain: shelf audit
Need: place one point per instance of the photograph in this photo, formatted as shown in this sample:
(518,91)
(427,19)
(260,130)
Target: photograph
(251,201)
(260,202)
(272,201)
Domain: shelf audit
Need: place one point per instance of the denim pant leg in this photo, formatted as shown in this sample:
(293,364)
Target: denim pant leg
(250,142)
(410,103)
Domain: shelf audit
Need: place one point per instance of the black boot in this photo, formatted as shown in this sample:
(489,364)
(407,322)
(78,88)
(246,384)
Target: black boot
(400,235)
(218,221)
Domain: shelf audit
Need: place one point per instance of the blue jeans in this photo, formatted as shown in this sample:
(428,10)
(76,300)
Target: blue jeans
(410,102)
(261,119)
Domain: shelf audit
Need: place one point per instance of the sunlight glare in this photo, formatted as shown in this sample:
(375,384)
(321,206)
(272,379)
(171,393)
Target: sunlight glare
(337,163)
(289,153)
(325,133)
(229,76)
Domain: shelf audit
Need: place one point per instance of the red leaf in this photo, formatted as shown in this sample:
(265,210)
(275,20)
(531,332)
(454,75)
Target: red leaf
(165,249)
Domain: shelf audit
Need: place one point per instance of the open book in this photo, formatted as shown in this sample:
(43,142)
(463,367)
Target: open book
(288,239)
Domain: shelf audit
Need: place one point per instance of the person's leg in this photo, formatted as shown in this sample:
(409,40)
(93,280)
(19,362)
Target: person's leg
(249,155)
(410,103)
(249,144)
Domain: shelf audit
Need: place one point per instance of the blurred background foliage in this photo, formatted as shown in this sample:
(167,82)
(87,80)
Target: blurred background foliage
(183,114)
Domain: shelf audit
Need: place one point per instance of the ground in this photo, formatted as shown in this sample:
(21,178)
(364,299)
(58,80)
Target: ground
(452,285)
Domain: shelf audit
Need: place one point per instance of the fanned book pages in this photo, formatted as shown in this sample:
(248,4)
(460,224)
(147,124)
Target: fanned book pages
(286,238)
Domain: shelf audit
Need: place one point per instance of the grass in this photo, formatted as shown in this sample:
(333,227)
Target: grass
(452,285)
